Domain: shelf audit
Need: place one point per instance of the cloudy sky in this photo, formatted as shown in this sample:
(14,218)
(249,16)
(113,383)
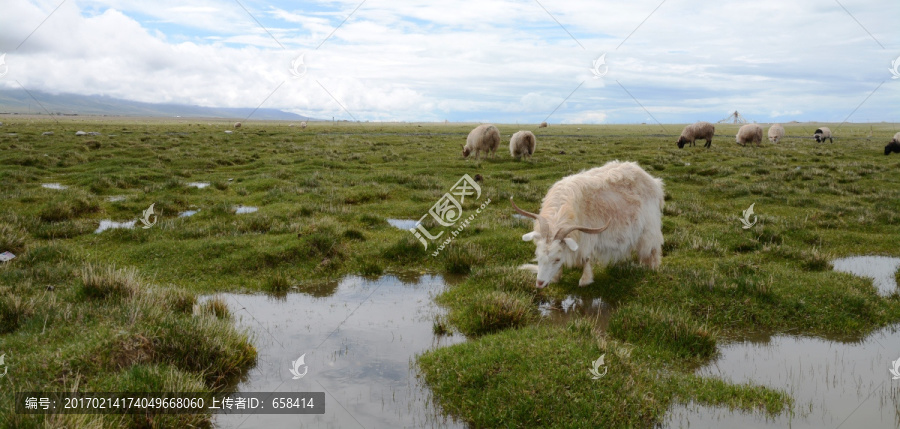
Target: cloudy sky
(502,61)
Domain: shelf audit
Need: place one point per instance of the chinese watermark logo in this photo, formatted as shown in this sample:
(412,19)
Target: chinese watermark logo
(296,364)
(146,219)
(2,358)
(448,211)
(600,62)
(298,68)
(895,370)
(746,218)
(595,371)
(895,65)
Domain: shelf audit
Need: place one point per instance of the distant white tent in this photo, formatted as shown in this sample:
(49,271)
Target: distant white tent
(734,118)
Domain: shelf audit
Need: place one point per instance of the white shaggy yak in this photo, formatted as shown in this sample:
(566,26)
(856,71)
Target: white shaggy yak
(776,133)
(303,125)
(521,144)
(602,215)
(485,137)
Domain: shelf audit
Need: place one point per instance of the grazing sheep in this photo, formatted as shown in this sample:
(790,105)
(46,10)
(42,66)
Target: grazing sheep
(823,133)
(485,137)
(303,125)
(602,215)
(697,131)
(893,146)
(543,125)
(749,133)
(776,133)
(237,124)
(521,144)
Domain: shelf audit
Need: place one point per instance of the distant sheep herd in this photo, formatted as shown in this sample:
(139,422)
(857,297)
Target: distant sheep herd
(486,138)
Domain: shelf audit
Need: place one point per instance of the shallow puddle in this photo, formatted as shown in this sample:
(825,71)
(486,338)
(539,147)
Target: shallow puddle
(108,224)
(359,337)
(835,383)
(406,224)
(881,269)
(54,186)
(198,185)
(188,213)
(115,198)
(562,311)
(245,209)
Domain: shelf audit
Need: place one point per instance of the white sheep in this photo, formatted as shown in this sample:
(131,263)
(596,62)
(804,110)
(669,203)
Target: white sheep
(893,146)
(543,125)
(303,125)
(237,124)
(697,131)
(749,133)
(776,133)
(485,137)
(521,144)
(602,215)
(823,133)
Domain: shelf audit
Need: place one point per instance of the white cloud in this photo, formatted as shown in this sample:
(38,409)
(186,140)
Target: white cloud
(498,60)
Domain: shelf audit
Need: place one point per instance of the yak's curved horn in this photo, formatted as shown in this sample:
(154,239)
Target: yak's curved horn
(562,233)
(545,227)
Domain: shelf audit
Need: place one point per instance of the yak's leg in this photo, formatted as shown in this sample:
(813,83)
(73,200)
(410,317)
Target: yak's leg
(587,276)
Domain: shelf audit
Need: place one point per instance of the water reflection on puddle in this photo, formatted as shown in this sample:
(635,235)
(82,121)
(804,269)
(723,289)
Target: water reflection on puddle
(108,224)
(827,379)
(881,269)
(188,213)
(562,311)
(245,209)
(198,185)
(56,186)
(406,224)
(360,338)
(844,382)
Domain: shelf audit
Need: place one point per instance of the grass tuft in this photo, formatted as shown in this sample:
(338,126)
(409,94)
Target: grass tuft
(491,311)
(103,283)
(665,328)
(13,312)
(12,239)
(278,284)
(62,209)
(460,258)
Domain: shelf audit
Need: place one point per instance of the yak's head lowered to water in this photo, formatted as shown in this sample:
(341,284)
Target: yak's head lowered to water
(551,252)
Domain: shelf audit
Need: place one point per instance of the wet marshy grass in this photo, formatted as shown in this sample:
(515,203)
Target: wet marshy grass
(117,309)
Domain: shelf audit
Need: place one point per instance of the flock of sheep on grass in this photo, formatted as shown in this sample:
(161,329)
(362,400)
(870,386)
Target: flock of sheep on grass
(606,214)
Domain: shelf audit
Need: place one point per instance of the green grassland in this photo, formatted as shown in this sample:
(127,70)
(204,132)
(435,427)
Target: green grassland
(116,311)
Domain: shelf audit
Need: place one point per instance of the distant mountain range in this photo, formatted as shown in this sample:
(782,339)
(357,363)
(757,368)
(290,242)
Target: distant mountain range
(18,101)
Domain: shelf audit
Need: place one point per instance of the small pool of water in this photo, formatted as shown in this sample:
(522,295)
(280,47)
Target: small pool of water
(115,198)
(881,269)
(572,306)
(245,209)
(198,185)
(108,224)
(833,383)
(406,224)
(54,186)
(188,213)
(359,337)
(842,382)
